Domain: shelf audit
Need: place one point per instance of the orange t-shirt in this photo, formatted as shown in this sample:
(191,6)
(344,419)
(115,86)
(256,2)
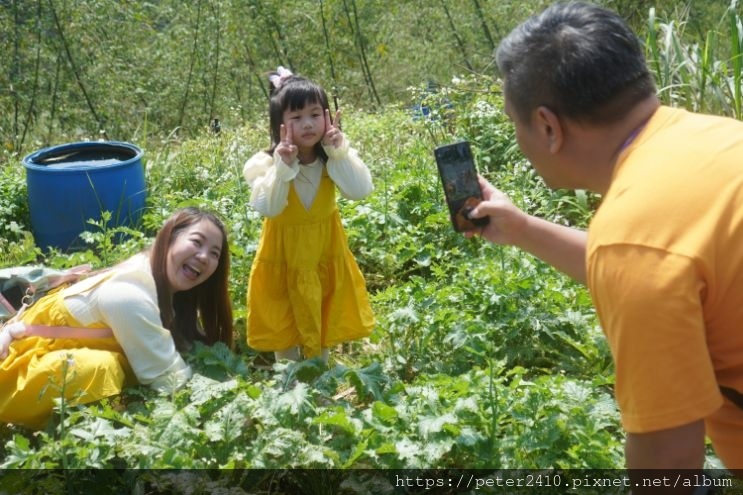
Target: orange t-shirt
(665,270)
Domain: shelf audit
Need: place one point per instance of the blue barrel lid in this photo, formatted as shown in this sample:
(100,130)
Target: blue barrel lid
(83,155)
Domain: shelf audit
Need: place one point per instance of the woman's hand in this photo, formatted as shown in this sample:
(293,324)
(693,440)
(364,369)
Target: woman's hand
(286,148)
(8,333)
(333,135)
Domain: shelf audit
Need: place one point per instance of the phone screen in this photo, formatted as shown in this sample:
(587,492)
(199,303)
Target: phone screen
(459,179)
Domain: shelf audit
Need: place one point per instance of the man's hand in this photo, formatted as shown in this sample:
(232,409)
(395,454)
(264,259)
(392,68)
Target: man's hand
(673,452)
(675,448)
(506,221)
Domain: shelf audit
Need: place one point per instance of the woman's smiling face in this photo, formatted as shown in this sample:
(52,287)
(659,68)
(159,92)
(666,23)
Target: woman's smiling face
(193,255)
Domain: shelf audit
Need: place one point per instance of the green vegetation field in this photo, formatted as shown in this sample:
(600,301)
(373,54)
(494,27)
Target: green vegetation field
(482,357)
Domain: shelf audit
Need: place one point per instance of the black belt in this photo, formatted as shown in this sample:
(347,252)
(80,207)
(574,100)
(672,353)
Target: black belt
(732,395)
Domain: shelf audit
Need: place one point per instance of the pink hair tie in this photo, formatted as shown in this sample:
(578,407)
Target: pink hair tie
(278,79)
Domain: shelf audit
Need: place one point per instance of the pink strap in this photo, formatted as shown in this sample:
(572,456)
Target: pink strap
(51,332)
(9,307)
(71,275)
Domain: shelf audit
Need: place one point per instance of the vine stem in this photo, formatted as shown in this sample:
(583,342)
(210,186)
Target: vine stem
(192,62)
(73,66)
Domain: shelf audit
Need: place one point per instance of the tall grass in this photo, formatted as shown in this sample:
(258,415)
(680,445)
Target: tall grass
(701,75)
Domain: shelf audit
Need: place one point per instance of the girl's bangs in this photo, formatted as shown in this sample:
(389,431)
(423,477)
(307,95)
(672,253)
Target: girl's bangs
(300,97)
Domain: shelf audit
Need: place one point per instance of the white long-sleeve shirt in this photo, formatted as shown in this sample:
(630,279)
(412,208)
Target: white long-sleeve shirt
(270,178)
(126,302)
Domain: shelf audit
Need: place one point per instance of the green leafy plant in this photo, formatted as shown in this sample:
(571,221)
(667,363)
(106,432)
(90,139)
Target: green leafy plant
(703,75)
(482,356)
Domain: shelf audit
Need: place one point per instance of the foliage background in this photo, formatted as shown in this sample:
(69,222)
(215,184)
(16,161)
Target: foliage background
(135,69)
(483,357)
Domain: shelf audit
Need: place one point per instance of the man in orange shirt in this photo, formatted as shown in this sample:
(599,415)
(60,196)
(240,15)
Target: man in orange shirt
(663,256)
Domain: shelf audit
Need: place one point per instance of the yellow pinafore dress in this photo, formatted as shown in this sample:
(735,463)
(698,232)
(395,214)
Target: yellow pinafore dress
(33,374)
(305,286)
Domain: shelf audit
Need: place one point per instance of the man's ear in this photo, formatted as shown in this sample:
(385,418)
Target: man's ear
(550,128)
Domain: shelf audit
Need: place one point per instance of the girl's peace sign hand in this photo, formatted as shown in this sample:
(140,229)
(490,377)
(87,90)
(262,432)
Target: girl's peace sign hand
(333,135)
(286,148)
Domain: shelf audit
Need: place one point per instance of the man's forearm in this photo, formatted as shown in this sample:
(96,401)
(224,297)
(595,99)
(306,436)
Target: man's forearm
(561,246)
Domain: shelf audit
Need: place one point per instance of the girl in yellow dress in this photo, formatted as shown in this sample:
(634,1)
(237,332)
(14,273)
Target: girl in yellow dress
(142,312)
(306,292)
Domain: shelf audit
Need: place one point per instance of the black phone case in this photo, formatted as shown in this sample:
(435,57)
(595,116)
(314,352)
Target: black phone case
(458,174)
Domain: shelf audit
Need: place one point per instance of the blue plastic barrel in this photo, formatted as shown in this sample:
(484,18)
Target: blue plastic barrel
(72,183)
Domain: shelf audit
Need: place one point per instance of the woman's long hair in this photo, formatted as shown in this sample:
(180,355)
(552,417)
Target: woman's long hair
(203,313)
(293,93)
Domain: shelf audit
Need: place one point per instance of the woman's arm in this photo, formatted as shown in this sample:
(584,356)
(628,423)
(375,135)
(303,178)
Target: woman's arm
(128,306)
(269,179)
(348,171)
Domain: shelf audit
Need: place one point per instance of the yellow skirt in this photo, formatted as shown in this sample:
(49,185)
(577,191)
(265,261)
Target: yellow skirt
(305,287)
(38,371)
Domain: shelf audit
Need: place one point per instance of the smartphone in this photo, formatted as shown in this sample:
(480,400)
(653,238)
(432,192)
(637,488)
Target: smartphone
(461,188)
